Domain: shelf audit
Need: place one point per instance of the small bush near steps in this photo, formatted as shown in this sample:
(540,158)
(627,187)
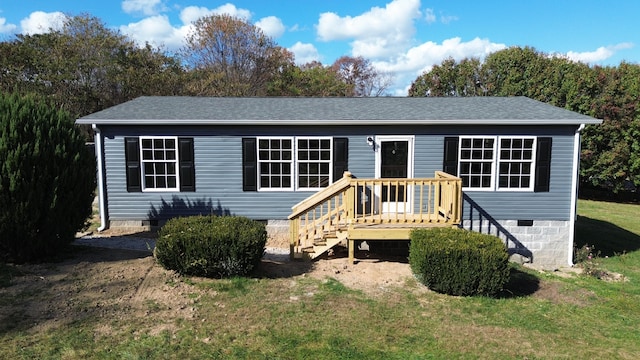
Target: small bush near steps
(211,246)
(459,262)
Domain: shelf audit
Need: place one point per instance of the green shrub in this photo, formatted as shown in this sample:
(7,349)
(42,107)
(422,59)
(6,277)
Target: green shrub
(47,179)
(211,246)
(458,262)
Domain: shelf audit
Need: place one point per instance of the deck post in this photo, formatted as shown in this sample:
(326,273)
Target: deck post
(351,246)
(294,229)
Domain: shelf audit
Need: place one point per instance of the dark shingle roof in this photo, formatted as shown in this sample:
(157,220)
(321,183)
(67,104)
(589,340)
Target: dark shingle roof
(175,110)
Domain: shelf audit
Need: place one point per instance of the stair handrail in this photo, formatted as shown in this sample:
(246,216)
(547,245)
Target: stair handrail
(321,196)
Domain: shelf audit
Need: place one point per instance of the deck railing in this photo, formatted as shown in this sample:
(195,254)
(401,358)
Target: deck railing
(361,202)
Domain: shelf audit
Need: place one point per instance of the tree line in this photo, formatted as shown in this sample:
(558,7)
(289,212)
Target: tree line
(610,156)
(86,67)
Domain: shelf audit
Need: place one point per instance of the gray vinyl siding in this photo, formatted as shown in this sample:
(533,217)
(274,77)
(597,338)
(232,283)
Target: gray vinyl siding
(552,205)
(218,167)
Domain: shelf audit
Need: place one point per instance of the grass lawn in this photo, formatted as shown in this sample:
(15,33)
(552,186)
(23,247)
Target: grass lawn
(545,316)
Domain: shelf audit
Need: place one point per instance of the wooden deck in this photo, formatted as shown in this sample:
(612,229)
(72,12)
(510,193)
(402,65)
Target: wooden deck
(352,209)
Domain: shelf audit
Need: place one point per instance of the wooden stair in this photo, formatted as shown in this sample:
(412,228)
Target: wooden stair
(340,212)
(323,243)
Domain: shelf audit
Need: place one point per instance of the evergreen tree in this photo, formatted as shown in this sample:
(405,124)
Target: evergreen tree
(47,179)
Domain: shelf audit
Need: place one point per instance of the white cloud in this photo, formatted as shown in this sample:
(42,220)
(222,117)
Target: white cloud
(413,62)
(271,26)
(600,54)
(445,19)
(6,28)
(430,16)
(304,53)
(377,33)
(40,22)
(144,7)
(157,30)
(193,13)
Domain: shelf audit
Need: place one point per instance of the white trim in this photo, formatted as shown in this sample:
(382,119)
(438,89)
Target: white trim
(143,162)
(295,162)
(574,193)
(494,160)
(101,190)
(532,173)
(291,162)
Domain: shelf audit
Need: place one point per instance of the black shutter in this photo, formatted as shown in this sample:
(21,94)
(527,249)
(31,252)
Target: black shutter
(249,165)
(132,161)
(450,161)
(186,164)
(340,157)
(543,165)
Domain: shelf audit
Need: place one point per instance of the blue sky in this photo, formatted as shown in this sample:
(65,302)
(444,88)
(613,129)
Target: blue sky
(403,37)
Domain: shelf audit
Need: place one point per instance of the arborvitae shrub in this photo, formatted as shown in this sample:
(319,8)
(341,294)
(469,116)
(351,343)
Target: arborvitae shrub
(211,246)
(47,179)
(459,262)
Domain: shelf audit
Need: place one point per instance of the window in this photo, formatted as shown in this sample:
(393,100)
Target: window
(314,163)
(275,157)
(158,156)
(476,162)
(516,163)
(509,159)
(159,163)
(294,163)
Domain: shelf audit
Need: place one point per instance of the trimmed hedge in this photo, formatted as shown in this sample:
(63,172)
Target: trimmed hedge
(459,262)
(211,246)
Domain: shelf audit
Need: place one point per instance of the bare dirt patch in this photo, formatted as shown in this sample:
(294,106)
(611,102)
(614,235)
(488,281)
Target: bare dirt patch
(116,285)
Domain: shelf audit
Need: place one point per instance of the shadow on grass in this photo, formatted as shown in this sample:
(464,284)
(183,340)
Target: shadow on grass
(281,269)
(606,237)
(7,272)
(520,284)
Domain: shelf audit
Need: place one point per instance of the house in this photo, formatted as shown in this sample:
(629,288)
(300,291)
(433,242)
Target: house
(501,165)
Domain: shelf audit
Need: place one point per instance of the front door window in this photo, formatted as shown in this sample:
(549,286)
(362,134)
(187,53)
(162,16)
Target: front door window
(394,160)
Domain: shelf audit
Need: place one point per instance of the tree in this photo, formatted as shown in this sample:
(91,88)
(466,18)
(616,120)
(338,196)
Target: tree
(611,151)
(451,79)
(86,67)
(362,76)
(47,179)
(312,79)
(610,155)
(231,57)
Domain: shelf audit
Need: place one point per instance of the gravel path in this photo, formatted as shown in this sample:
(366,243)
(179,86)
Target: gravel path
(147,244)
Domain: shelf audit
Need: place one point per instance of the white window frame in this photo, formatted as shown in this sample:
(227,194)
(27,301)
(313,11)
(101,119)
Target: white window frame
(297,161)
(174,161)
(493,161)
(291,162)
(496,161)
(294,162)
(532,162)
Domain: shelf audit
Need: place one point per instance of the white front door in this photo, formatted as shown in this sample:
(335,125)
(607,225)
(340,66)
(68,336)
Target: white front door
(394,159)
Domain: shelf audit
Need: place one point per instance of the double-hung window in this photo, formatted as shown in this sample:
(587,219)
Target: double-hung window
(159,159)
(275,158)
(314,163)
(477,162)
(516,163)
(497,162)
(159,163)
(294,163)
